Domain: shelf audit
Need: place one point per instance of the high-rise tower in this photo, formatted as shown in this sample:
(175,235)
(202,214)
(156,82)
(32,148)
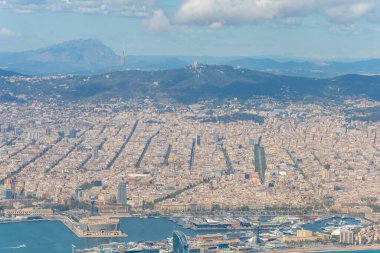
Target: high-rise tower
(122,193)
(122,59)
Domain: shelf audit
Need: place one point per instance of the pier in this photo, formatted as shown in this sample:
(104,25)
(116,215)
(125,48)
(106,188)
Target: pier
(76,228)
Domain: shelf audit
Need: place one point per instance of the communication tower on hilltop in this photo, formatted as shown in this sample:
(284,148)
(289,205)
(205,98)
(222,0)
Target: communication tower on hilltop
(122,59)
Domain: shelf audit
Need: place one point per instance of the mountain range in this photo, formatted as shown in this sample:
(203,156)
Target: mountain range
(193,83)
(90,56)
(99,76)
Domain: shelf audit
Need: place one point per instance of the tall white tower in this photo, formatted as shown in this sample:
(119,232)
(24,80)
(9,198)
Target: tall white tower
(122,59)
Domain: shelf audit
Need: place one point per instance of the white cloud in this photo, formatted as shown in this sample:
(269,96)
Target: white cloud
(351,12)
(157,22)
(235,12)
(216,25)
(344,29)
(138,8)
(8,33)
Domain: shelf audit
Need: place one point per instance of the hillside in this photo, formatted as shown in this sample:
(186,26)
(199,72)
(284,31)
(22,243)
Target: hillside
(188,85)
(4,72)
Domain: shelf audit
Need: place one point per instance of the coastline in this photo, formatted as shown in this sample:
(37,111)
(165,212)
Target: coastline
(321,249)
(330,249)
(65,221)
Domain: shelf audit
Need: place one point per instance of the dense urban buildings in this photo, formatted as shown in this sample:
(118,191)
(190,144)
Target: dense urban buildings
(202,157)
(211,165)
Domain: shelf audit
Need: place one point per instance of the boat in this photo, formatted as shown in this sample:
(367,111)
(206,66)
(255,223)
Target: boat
(289,232)
(18,247)
(336,223)
(342,223)
(296,226)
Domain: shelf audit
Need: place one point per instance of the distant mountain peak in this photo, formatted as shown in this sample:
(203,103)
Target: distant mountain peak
(82,56)
(78,43)
(74,50)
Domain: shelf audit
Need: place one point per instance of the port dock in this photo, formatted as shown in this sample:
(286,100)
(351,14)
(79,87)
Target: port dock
(94,228)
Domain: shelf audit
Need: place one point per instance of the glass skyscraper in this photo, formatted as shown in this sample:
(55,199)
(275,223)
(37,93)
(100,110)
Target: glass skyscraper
(180,244)
(122,193)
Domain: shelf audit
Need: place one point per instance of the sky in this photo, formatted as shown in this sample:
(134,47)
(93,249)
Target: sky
(304,29)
